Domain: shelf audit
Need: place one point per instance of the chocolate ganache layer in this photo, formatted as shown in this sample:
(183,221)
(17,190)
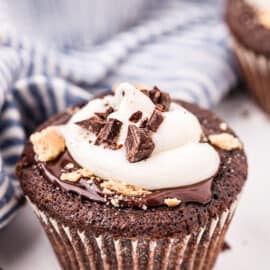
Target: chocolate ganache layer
(91,188)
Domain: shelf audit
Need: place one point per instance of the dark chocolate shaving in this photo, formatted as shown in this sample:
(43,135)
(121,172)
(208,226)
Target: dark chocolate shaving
(163,100)
(109,133)
(104,115)
(93,124)
(138,144)
(135,117)
(155,120)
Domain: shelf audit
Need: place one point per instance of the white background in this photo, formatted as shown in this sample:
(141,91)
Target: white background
(23,245)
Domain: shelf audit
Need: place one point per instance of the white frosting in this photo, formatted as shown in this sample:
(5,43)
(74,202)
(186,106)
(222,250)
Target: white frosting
(178,159)
(260,4)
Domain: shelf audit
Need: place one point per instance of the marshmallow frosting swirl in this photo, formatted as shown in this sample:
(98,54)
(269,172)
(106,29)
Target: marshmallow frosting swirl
(179,158)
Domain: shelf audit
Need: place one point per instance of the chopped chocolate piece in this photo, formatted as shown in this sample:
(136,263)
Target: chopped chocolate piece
(155,120)
(93,124)
(135,117)
(139,144)
(104,115)
(144,123)
(160,98)
(155,95)
(165,101)
(109,133)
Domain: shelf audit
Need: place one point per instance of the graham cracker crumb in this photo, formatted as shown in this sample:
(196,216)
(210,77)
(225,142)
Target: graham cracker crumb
(172,202)
(223,126)
(85,173)
(74,176)
(48,143)
(124,189)
(225,141)
(71,176)
(69,166)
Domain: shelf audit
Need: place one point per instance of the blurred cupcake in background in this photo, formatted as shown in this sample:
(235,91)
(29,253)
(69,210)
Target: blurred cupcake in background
(249,23)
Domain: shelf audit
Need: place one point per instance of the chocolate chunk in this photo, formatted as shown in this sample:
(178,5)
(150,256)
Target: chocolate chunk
(155,94)
(138,144)
(163,100)
(104,115)
(135,117)
(93,124)
(109,133)
(155,120)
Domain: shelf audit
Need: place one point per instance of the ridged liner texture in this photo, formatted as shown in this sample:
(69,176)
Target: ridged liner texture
(256,71)
(83,250)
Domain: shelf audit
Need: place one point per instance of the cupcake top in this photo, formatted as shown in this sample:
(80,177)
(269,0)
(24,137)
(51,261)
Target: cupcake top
(57,184)
(249,21)
(134,148)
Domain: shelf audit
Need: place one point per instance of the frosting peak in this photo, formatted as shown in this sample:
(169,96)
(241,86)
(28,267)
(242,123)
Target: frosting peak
(175,156)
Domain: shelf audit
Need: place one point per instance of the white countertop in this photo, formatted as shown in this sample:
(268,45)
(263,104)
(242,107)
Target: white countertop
(23,245)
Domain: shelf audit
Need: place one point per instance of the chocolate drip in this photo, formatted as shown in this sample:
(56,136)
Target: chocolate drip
(91,190)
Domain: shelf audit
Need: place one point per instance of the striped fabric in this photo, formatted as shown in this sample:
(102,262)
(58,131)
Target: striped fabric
(182,48)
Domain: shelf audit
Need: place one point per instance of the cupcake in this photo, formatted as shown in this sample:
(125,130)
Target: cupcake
(249,24)
(134,180)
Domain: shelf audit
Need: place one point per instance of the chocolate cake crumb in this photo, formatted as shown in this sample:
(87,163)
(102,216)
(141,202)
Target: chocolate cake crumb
(109,133)
(139,144)
(155,121)
(135,117)
(93,124)
(226,246)
(104,115)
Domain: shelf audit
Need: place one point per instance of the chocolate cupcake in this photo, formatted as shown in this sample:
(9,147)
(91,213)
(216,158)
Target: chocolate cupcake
(249,24)
(134,180)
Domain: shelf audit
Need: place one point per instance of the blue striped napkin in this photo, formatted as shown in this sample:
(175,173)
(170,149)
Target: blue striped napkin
(182,48)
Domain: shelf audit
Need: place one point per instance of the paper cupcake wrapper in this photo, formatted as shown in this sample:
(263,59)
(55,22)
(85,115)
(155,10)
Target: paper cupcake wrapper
(256,72)
(83,250)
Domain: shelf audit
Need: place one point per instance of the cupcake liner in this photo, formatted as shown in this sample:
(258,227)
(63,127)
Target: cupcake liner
(256,71)
(83,250)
